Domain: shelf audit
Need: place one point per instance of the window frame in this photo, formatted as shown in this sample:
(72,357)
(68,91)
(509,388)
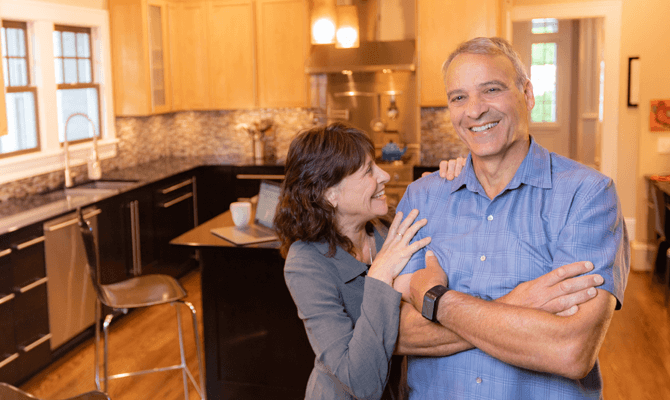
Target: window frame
(22,89)
(92,85)
(41,16)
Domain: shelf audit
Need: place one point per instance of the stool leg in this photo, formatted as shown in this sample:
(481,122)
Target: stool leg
(181,351)
(98,315)
(196,334)
(105,328)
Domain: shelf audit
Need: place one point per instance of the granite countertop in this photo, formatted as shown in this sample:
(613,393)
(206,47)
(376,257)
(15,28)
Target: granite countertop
(21,212)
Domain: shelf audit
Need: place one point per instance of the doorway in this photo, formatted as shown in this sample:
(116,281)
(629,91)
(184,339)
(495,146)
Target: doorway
(564,60)
(610,12)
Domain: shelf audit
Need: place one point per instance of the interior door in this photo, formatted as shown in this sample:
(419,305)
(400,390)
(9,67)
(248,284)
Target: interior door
(550,61)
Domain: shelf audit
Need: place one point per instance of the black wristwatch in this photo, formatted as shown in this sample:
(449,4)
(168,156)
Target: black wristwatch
(430,300)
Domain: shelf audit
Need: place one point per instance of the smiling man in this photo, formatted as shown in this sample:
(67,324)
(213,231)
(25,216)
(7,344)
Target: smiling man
(515,213)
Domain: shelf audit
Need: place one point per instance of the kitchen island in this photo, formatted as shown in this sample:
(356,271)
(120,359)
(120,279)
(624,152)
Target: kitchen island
(255,344)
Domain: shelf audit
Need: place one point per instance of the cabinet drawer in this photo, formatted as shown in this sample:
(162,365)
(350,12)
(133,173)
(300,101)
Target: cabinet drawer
(27,255)
(31,316)
(7,344)
(9,367)
(34,356)
(6,273)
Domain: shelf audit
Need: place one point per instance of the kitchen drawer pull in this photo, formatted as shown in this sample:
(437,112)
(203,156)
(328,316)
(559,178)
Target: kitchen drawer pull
(33,285)
(252,176)
(9,359)
(29,243)
(7,298)
(5,252)
(177,186)
(72,221)
(36,343)
(177,200)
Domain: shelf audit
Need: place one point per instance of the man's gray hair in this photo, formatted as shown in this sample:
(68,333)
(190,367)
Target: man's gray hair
(493,46)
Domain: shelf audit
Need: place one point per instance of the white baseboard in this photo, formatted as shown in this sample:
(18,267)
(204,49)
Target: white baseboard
(643,256)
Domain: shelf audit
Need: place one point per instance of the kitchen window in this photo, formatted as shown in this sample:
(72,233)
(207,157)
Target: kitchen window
(67,66)
(74,78)
(22,136)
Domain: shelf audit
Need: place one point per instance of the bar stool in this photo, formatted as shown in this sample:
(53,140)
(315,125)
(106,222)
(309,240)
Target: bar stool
(137,292)
(9,392)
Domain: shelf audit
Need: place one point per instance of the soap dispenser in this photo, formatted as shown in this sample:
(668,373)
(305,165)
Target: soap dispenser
(94,170)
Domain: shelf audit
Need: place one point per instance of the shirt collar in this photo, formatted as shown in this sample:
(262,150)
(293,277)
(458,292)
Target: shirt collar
(535,170)
(347,265)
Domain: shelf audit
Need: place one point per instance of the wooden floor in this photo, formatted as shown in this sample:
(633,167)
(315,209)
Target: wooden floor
(635,358)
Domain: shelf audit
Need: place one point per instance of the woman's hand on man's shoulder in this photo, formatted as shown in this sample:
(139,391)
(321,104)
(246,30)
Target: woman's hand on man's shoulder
(450,169)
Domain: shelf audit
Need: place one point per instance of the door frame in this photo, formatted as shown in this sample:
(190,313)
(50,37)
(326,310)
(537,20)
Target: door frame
(610,11)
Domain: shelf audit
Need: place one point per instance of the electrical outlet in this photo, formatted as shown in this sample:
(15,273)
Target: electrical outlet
(663,145)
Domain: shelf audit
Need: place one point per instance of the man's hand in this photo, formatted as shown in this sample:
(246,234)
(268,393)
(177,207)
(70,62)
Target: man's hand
(559,292)
(424,279)
(450,169)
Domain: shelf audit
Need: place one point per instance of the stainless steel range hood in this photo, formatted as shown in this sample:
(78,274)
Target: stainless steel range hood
(371,56)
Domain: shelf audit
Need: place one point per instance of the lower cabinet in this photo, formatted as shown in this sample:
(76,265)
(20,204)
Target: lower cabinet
(24,315)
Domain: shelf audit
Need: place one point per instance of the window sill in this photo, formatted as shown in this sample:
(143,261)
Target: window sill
(34,164)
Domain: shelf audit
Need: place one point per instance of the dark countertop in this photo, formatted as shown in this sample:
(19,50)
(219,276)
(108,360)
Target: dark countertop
(21,212)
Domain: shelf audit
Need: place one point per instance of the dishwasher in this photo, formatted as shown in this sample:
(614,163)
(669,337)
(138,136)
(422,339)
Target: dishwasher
(71,295)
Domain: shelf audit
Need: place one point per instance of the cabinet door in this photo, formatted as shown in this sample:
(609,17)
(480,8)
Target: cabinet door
(159,55)
(282,50)
(232,68)
(442,26)
(130,63)
(192,55)
(174,214)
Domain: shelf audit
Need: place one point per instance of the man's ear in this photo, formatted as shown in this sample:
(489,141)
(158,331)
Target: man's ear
(332,195)
(529,95)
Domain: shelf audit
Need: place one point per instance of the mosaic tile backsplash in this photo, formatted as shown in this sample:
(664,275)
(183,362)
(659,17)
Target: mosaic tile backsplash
(221,133)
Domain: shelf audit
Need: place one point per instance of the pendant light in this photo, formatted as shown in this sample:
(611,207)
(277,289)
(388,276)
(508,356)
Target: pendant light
(323,22)
(347,26)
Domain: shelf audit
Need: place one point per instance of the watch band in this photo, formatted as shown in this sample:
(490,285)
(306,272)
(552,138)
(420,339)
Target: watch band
(430,300)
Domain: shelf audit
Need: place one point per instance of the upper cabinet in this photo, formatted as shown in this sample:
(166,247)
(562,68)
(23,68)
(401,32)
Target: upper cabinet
(140,56)
(282,27)
(442,25)
(210,55)
(232,61)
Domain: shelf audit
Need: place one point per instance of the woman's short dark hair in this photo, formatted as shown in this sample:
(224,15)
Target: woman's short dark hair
(318,159)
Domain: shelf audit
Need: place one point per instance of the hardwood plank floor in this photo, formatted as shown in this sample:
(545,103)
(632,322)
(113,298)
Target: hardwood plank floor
(634,359)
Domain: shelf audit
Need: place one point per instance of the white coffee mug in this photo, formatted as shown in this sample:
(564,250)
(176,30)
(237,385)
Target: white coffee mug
(241,211)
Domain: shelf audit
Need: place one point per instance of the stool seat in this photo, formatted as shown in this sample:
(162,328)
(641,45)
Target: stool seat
(142,291)
(9,392)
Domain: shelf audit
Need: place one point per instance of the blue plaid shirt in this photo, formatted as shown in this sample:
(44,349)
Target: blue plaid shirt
(555,211)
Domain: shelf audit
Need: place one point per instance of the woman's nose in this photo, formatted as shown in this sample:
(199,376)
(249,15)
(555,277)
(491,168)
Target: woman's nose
(382,176)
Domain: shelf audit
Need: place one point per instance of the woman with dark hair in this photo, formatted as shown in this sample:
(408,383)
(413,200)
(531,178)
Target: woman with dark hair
(341,261)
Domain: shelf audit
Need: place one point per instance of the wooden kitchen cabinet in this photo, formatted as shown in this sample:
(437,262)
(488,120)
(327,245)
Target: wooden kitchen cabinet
(140,56)
(189,38)
(442,25)
(24,315)
(283,37)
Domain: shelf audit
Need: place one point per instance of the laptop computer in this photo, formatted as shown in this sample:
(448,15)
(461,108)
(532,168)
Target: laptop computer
(261,229)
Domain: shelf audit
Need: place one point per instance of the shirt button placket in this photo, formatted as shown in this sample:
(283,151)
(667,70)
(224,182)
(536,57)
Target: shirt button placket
(478,380)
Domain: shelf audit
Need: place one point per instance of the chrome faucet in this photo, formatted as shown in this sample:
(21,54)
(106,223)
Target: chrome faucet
(66,149)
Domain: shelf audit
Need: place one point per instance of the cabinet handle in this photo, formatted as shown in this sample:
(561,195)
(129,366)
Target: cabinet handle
(252,176)
(7,298)
(5,252)
(135,237)
(36,343)
(72,221)
(33,285)
(177,200)
(9,359)
(177,186)
(29,243)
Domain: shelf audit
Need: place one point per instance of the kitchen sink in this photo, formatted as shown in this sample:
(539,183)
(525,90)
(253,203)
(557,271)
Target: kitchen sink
(100,187)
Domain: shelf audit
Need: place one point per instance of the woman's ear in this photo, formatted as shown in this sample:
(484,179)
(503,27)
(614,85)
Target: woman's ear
(332,195)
